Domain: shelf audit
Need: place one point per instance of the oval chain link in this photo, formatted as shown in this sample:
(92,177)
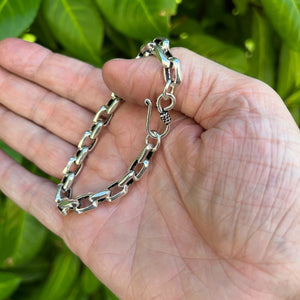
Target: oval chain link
(83,203)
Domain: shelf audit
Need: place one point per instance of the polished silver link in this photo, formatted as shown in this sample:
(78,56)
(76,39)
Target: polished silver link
(128,179)
(66,204)
(91,203)
(173,73)
(166,97)
(106,111)
(102,115)
(163,43)
(87,137)
(67,181)
(96,129)
(169,88)
(70,164)
(160,48)
(61,194)
(123,190)
(81,155)
(157,138)
(146,50)
(112,105)
(101,196)
(142,162)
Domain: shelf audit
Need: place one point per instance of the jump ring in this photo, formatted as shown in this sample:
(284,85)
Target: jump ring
(168,96)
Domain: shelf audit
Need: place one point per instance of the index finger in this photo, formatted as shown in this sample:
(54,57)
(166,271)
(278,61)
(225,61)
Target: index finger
(65,76)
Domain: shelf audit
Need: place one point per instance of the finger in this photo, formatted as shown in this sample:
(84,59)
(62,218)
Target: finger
(63,75)
(32,193)
(208,91)
(58,115)
(46,150)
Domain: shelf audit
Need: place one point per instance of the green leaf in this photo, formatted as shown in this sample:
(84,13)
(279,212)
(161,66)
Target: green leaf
(262,59)
(43,33)
(295,111)
(89,281)
(76,293)
(123,43)
(8,284)
(11,221)
(77,26)
(139,19)
(30,240)
(294,99)
(241,6)
(62,277)
(215,49)
(16,16)
(21,236)
(285,17)
(32,271)
(288,71)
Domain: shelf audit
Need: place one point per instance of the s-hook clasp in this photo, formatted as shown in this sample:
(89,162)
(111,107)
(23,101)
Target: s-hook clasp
(164,114)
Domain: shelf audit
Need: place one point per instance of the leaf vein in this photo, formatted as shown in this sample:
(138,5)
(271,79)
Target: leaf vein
(148,14)
(78,27)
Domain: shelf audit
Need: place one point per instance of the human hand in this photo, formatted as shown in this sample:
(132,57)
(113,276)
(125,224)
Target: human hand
(215,216)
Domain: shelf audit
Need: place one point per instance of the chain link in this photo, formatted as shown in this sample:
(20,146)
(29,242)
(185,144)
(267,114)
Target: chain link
(83,203)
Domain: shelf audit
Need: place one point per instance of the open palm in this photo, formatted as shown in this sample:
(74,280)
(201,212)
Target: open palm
(216,215)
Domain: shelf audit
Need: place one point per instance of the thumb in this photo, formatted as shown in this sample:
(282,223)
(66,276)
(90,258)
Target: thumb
(208,92)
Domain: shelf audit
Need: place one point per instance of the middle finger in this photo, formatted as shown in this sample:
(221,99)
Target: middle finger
(58,115)
(46,150)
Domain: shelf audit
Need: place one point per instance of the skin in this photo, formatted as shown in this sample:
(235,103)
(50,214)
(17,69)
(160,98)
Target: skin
(216,215)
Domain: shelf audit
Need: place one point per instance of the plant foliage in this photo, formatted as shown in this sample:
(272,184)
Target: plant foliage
(260,38)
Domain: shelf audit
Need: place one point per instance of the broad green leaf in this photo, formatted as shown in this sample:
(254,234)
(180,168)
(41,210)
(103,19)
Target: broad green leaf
(30,240)
(21,236)
(11,222)
(77,26)
(89,281)
(139,19)
(288,72)
(62,277)
(262,60)
(123,43)
(293,99)
(285,17)
(43,33)
(295,111)
(76,293)
(16,16)
(8,284)
(32,271)
(215,49)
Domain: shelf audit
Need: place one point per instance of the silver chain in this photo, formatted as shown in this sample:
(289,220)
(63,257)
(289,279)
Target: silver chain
(172,74)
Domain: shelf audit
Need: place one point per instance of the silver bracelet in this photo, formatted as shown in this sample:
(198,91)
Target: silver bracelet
(83,203)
